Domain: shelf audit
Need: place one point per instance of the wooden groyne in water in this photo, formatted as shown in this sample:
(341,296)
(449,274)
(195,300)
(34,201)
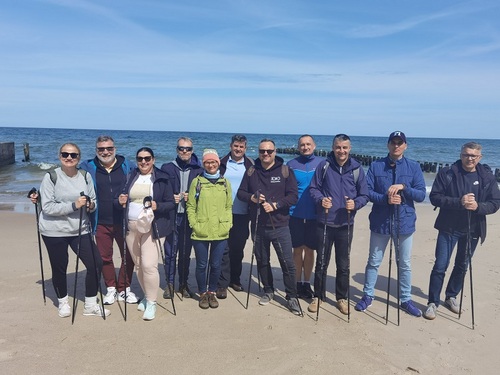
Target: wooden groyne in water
(366,160)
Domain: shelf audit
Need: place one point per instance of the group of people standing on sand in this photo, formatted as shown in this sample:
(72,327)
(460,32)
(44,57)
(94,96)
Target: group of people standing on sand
(305,208)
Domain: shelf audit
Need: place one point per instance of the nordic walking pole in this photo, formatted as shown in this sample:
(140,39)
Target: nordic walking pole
(92,248)
(147,204)
(469,254)
(31,192)
(468,257)
(348,265)
(77,260)
(282,253)
(183,247)
(391,219)
(322,265)
(124,233)
(396,249)
(257,195)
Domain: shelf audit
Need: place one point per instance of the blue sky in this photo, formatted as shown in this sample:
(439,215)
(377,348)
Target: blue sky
(429,68)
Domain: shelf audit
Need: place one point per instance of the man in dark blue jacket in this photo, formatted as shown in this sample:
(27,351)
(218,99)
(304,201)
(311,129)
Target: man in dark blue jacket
(109,173)
(270,186)
(395,183)
(339,190)
(182,171)
(465,193)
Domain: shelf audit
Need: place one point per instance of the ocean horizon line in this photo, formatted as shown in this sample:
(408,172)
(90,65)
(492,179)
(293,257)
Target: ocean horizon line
(409,136)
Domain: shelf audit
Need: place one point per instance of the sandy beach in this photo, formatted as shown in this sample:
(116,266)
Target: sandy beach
(263,339)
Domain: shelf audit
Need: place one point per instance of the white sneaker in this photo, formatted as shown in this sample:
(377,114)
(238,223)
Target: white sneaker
(110,296)
(94,310)
(64,308)
(131,297)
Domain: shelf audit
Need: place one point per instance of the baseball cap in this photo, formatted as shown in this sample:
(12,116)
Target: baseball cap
(395,134)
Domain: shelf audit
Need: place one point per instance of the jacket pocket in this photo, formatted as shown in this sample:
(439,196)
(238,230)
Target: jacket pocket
(224,227)
(200,229)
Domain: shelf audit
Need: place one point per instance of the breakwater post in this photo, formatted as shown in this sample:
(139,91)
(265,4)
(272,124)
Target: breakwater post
(7,153)
(26,150)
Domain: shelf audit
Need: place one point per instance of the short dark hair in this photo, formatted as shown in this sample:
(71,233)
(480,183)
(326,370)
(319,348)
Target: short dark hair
(341,137)
(238,138)
(268,140)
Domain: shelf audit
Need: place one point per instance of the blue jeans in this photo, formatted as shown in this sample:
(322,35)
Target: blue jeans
(201,250)
(444,249)
(179,242)
(378,244)
(282,243)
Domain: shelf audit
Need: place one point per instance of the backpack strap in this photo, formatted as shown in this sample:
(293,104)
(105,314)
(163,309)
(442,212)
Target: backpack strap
(53,175)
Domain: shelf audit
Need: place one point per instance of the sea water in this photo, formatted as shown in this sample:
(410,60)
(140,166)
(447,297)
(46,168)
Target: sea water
(17,179)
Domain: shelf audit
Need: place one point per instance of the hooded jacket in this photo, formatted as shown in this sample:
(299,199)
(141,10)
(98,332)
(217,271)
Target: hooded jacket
(449,187)
(209,209)
(338,183)
(276,188)
(381,175)
(106,186)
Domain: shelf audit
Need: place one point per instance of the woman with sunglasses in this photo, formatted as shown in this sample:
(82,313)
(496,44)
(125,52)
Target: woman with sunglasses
(209,210)
(62,223)
(147,185)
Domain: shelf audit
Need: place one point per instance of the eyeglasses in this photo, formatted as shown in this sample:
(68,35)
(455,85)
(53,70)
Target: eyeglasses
(109,149)
(470,156)
(74,155)
(269,152)
(184,148)
(147,159)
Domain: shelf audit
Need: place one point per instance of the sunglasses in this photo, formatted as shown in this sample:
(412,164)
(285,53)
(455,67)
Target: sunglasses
(184,148)
(74,155)
(109,149)
(269,152)
(147,159)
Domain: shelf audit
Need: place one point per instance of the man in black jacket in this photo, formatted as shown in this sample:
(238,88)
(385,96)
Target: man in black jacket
(271,187)
(465,193)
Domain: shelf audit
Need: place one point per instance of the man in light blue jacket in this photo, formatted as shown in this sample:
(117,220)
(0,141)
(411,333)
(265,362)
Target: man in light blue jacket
(394,184)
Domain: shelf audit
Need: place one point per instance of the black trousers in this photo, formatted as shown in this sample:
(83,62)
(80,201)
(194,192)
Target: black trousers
(57,247)
(234,252)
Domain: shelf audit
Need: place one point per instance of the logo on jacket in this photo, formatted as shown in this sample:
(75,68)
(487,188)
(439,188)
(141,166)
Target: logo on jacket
(275,180)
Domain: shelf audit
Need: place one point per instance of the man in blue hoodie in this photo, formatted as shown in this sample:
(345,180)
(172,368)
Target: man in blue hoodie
(109,172)
(395,183)
(303,215)
(181,171)
(270,188)
(338,190)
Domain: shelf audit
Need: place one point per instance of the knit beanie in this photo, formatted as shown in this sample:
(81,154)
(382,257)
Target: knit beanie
(210,154)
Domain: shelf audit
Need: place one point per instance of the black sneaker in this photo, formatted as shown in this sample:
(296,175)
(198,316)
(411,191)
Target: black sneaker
(307,292)
(185,291)
(169,291)
(300,290)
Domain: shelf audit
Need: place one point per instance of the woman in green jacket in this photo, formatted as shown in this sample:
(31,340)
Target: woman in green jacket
(209,210)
